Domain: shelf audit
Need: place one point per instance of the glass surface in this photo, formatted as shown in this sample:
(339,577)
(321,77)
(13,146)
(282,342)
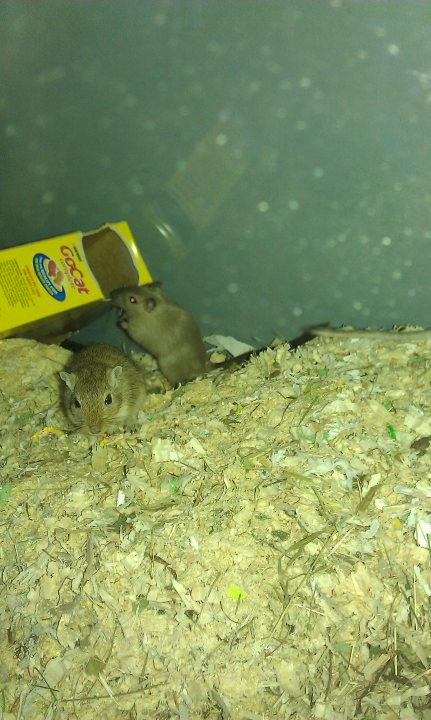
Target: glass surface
(272,157)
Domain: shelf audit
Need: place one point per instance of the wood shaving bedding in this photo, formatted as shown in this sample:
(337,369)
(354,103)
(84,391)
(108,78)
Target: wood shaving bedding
(258,548)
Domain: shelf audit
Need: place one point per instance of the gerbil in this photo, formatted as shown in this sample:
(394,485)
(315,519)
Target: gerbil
(103,389)
(398,335)
(164,329)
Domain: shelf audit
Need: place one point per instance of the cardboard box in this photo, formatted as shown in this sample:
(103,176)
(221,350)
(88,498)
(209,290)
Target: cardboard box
(51,288)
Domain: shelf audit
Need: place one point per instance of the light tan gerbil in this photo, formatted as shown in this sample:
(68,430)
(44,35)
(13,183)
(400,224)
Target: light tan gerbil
(103,389)
(350,333)
(163,328)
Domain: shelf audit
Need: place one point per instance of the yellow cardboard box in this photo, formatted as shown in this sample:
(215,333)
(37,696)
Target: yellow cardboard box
(53,287)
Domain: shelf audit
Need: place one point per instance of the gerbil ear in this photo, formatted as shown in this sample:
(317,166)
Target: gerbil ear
(113,376)
(150,304)
(69,379)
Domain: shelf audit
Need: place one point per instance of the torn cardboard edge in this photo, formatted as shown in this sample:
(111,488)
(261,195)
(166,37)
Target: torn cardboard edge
(51,288)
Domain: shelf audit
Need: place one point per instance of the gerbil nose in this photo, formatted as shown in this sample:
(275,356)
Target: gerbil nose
(94,428)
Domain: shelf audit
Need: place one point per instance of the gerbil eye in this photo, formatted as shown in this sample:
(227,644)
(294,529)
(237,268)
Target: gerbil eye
(108,399)
(132,300)
(76,403)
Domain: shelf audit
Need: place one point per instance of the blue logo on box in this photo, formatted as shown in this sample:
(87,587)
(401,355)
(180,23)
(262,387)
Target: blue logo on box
(49,276)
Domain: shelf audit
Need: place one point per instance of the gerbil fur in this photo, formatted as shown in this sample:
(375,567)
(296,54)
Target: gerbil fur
(163,328)
(103,389)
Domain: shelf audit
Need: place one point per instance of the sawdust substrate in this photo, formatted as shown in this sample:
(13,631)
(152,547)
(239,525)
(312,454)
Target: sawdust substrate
(257,548)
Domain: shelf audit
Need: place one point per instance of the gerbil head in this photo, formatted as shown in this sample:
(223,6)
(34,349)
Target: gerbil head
(144,297)
(92,398)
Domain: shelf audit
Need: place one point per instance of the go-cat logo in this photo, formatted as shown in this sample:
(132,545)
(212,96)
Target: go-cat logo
(49,275)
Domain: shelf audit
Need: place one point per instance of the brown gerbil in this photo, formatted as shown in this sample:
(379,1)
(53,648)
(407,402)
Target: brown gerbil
(164,329)
(103,389)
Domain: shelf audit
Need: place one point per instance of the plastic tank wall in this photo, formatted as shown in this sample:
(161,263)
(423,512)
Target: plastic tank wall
(321,212)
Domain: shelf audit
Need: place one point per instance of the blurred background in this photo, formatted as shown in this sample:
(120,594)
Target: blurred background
(272,157)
